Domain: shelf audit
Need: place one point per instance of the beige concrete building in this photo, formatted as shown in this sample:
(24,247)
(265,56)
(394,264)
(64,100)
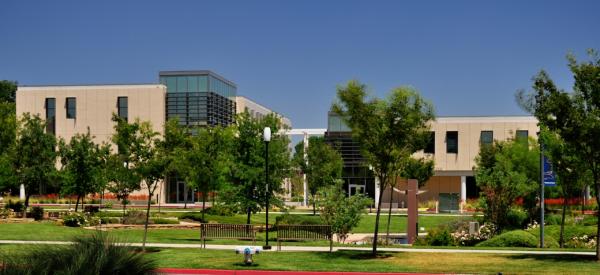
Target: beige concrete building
(256,110)
(454,148)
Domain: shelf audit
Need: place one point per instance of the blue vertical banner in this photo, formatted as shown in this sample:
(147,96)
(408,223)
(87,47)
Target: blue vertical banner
(549,176)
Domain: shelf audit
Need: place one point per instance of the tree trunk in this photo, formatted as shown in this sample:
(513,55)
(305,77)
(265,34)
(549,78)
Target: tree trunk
(77,203)
(387,232)
(203,206)
(26,204)
(249,212)
(562,222)
(147,219)
(314,203)
(376,233)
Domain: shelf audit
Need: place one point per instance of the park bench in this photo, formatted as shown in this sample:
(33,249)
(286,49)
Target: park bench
(227,231)
(293,232)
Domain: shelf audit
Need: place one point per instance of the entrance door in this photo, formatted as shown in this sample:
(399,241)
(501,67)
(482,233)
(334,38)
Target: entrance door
(354,189)
(184,192)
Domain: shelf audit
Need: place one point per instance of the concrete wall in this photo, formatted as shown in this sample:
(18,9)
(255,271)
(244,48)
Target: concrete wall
(256,110)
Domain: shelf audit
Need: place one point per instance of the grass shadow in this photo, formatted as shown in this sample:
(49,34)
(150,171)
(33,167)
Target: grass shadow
(355,255)
(554,257)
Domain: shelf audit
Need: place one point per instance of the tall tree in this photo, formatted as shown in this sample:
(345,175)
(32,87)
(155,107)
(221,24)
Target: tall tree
(323,165)
(8,128)
(82,166)
(389,131)
(122,176)
(34,164)
(205,165)
(7,91)
(505,171)
(575,117)
(248,187)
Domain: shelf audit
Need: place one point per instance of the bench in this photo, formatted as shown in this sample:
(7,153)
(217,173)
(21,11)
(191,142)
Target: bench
(304,232)
(227,231)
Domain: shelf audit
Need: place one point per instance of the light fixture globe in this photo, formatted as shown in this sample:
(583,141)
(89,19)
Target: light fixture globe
(267,134)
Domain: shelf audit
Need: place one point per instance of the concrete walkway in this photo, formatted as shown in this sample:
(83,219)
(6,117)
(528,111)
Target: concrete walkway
(326,249)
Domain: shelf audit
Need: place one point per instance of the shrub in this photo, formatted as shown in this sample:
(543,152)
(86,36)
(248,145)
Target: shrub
(191,216)
(91,209)
(287,218)
(552,220)
(516,238)
(438,236)
(37,213)
(91,254)
(5,213)
(134,217)
(109,220)
(77,219)
(16,206)
(463,238)
(516,218)
(220,210)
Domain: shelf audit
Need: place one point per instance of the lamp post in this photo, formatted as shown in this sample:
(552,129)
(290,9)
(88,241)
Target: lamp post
(267,138)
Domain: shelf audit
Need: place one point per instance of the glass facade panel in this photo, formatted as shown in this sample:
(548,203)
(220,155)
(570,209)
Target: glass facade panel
(192,84)
(486,137)
(123,107)
(452,142)
(181,84)
(171,84)
(202,83)
(336,124)
(71,106)
(51,115)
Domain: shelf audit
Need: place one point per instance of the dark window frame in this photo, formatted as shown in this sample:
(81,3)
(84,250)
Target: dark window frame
(50,119)
(71,110)
(451,147)
(481,138)
(123,111)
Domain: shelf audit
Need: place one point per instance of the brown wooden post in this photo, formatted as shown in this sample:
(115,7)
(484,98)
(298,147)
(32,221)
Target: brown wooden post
(413,211)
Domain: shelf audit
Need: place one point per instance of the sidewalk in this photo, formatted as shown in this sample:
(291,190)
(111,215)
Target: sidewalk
(326,249)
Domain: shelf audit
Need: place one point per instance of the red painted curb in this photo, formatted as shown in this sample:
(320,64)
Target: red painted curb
(270,272)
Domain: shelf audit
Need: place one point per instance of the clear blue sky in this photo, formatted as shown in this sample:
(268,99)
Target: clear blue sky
(467,57)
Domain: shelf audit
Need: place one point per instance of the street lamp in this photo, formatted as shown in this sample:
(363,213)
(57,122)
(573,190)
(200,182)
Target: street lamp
(267,138)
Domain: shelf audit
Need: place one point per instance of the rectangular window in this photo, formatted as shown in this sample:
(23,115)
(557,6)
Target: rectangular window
(452,142)
(51,115)
(522,134)
(71,107)
(486,138)
(430,147)
(122,107)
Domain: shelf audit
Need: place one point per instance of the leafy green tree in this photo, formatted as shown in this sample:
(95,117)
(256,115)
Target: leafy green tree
(505,171)
(34,164)
(8,128)
(121,173)
(418,168)
(574,117)
(205,164)
(7,91)
(389,131)
(247,187)
(340,211)
(82,166)
(322,167)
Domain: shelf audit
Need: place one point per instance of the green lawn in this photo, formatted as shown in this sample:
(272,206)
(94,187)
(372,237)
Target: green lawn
(362,261)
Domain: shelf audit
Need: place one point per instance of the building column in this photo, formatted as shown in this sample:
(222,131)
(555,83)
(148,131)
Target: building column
(305,183)
(377,192)
(22,192)
(463,188)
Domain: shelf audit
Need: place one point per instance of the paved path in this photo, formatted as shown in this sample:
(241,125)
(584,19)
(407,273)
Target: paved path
(326,249)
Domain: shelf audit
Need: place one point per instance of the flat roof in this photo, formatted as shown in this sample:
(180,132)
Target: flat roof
(196,72)
(88,86)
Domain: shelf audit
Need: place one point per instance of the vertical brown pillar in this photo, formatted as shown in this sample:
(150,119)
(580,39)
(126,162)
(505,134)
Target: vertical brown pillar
(413,211)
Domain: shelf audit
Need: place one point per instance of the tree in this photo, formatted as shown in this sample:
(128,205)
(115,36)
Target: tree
(122,177)
(248,187)
(388,131)
(82,166)
(205,165)
(322,166)
(8,128)
(505,171)
(574,117)
(7,91)
(340,211)
(34,164)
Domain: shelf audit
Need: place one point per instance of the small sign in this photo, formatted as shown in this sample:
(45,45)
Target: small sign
(549,176)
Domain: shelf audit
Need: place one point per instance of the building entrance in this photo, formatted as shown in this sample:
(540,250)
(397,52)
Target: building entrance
(180,192)
(354,189)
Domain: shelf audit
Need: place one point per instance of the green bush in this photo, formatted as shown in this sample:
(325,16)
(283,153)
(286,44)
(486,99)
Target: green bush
(91,209)
(438,236)
(90,254)
(191,216)
(553,219)
(16,206)
(287,218)
(134,217)
(516,218)
(220,210)
(110,220)
(590,220)
(77,219)
(164,221)
(516,238)
(37,213)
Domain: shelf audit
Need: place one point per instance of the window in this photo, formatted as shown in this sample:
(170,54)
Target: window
(430,147)
(71,107)
(122,107)
(486,138)
(452,142)
(51,115)
(522,136)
